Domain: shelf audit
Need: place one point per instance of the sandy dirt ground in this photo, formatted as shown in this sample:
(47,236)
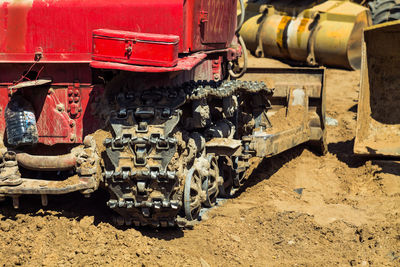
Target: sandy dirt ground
(347,214)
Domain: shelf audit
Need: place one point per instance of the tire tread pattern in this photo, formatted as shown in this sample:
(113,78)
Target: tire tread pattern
(384,10)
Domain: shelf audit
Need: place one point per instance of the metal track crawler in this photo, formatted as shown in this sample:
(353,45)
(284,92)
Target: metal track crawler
(158,164)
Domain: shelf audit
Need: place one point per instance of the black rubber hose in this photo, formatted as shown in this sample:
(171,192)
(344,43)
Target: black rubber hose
(242,44)
(245,59)
(242,15)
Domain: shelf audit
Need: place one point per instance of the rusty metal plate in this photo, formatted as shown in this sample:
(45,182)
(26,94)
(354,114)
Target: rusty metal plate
(33,186)
(378,119)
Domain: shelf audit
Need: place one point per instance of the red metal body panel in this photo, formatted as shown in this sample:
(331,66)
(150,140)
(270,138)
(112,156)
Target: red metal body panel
(218,21)
(135,48)
(62,30)
(57,122)
(58,72)
(210,24)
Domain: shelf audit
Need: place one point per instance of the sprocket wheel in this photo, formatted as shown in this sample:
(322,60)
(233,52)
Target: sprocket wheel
(192,195)
(226,170)
(211,183)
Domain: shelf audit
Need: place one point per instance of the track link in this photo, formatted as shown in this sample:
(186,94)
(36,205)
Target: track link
(154,149)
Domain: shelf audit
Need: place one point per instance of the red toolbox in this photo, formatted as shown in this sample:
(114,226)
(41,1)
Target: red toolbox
(135,48)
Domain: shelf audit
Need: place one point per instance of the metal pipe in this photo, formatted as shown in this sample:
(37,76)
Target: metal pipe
(46,163)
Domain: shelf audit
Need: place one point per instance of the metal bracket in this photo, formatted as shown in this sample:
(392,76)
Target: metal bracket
(217,69)
(203,17)
(74,100)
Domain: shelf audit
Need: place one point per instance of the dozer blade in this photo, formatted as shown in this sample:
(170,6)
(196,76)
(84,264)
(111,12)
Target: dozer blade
(378,119)
(297,110)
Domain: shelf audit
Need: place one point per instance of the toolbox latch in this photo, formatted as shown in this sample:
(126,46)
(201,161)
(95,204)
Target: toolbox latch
(129,48)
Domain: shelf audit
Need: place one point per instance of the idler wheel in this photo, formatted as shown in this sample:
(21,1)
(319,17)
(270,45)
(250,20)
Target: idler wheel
(227,172)
(192,195)
(211,183)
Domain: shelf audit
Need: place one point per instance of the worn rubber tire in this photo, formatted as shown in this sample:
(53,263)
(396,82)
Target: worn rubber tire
(395,13)
(384,10)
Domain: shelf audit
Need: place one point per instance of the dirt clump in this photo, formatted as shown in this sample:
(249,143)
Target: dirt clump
(73,180)
(285,119)
(99,136)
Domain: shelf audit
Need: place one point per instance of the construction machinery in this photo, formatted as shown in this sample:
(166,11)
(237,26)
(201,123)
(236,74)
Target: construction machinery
(384,10)
(307,31)
(378,121)
(143,99)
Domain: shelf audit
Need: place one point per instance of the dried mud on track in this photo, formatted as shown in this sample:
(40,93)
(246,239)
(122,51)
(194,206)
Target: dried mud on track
(347,214)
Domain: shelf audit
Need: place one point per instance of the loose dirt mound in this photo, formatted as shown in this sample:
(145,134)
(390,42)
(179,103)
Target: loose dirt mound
(298,209)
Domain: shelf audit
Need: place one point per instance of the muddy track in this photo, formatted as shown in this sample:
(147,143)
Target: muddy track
(298,209)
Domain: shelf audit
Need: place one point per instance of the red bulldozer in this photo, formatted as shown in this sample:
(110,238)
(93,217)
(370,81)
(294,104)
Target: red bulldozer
(145,99)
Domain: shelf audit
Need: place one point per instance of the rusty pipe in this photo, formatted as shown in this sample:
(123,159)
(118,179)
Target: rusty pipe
(46,163)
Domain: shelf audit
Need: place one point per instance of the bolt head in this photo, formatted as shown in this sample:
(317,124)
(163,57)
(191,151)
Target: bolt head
(60,107)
